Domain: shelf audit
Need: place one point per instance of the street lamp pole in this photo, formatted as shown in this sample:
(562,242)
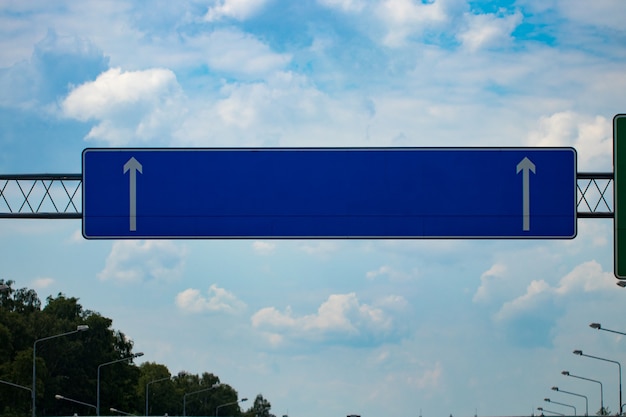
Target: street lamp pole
(598,326)
(79,328)
(60,397)
(136,355)
(147,391)
(115,410)
(217,384)
(224,405)
(578,395)
(566,373)
(563,404)
(580,353)
(548,411)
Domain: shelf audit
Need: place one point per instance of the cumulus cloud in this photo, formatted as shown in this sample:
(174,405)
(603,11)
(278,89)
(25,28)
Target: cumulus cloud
(344,5)
(404,18)
(488,279)
(529,319)
(132,105)
(56,64)
(392,274)
(428,378)
(586,277)
(263,247)
(341,319)
(234,9)
(537,292)
(218,300)
(240,53)
(136,261)
(590,135)
(488,30)
(320,248)
(541,301)
(43,282)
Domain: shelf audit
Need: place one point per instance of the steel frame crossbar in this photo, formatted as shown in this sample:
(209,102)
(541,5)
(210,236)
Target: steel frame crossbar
(64,196)
(59,191)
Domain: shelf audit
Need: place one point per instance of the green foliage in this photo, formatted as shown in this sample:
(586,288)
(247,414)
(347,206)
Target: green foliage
(68,366)
(260,408)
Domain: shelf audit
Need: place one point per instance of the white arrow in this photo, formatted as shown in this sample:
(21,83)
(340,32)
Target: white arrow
(526,166)
(133,166)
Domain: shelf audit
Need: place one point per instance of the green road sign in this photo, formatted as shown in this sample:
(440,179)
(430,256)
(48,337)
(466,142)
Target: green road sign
(619,194)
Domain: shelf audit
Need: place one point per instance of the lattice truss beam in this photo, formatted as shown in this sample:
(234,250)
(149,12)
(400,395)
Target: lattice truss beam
(595,194)
(45,196)
(59,196)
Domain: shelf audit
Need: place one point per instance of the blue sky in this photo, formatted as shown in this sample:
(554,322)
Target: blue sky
(329,328)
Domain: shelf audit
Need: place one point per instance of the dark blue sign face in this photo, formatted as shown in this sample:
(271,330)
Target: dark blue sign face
(329,193)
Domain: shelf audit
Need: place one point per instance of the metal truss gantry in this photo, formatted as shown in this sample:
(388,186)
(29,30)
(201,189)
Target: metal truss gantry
(59,196)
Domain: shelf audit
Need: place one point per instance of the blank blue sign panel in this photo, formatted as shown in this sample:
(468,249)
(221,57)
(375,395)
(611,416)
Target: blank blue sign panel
(329,193)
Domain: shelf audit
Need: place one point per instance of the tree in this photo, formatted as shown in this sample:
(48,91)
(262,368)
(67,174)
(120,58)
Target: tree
(68,366)
(260,408)
(155,381)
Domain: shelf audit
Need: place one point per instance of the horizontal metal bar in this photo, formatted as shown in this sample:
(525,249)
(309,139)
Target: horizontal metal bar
(594,175)
(594,215)
(78,177)
(72,215)
(69,177)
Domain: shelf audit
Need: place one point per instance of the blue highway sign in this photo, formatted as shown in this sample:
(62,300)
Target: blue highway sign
(369,193)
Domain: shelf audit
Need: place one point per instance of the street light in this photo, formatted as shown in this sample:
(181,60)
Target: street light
(566,373)
(15,385)
(217,384)
(580,353)
(563,404)
(79,328)
(598,326)
(224,405)
(136,355)
(548,411)
(115,410)
(148,384)
(60,397)
(578,395)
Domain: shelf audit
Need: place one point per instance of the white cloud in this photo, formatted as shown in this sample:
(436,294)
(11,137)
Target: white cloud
(488,30)
(132,105)
(590,135)
(598,12)
(429,378)
(240,53)
(392,302)
(404,18)
(76,236)
(340,319)
(536,292)
(320,248)
(283,110)
(584,278)
(235,9)
(263,247)
(392,274)
(218,300)
(587,277)
(345,5)
(488,279)
(43,282)
(136,261)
